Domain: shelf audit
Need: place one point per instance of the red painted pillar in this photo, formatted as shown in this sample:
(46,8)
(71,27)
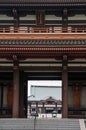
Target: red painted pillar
(15,88)
(64,88)
(21,95)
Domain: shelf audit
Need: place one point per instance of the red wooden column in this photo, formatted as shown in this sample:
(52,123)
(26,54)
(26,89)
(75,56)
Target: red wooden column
(21,95)
(64,88)
(15,88)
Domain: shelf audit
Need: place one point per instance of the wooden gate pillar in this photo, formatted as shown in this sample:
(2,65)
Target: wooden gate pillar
(64,88)
(21,95)
(15,88)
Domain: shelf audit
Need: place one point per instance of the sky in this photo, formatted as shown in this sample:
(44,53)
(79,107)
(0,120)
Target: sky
(54,89)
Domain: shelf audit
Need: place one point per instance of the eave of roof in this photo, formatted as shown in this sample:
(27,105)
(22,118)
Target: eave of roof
(45,52)
(42,2)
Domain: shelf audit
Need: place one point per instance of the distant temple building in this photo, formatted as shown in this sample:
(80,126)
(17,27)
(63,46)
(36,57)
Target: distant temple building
(47,108)
(42,40)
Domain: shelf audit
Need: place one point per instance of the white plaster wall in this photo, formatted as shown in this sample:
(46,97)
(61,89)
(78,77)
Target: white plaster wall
(5,17)
(47,17)
(28,17)
(78,17)
(52,17)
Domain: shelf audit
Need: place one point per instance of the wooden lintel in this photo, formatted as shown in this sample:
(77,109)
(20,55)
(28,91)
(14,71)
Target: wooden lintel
(43,36)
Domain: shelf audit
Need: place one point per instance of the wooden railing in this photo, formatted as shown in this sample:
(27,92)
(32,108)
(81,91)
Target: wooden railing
(42,30)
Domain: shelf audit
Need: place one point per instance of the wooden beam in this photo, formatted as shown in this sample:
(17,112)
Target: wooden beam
(43,36)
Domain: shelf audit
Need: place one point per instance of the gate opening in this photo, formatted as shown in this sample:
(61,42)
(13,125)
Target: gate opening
(44,98)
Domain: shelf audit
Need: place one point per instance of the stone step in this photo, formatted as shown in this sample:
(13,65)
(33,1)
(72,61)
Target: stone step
(39,124)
